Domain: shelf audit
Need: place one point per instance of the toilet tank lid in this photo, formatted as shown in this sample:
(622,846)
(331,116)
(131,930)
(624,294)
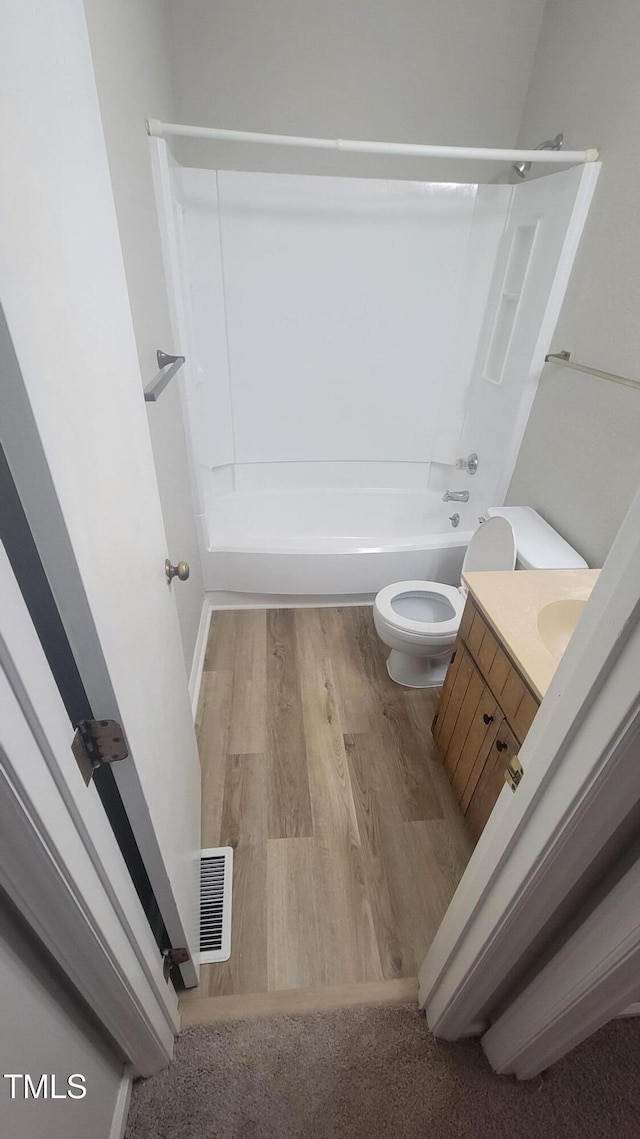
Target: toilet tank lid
(539,546)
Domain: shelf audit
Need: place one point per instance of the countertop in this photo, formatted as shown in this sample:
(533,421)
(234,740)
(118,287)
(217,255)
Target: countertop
(511,601)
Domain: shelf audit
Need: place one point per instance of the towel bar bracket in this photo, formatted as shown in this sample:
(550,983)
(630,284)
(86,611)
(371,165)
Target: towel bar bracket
(169,365)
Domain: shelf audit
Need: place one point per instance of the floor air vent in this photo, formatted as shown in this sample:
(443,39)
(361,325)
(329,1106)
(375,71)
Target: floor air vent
(216,875)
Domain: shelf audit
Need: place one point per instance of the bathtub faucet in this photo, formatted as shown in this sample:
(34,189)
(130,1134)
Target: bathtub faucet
(455,496)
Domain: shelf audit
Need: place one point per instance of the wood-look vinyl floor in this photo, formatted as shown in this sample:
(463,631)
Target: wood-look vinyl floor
(321,773)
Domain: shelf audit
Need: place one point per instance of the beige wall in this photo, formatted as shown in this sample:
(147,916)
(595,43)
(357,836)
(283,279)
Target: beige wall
(580,459)
(131,61)
(44,1029)
(403,70)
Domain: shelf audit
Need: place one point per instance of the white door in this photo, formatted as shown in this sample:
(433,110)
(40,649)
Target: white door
(75,433)
(59,861)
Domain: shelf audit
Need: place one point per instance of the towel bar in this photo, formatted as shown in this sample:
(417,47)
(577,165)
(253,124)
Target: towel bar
(564,357)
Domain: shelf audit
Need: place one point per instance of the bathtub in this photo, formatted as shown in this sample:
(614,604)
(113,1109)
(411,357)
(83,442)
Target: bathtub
(330,543)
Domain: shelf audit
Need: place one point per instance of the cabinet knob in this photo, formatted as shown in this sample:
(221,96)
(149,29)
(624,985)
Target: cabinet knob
(500,745)
(487,718)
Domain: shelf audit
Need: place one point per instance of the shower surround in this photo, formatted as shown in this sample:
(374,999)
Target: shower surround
(346,340)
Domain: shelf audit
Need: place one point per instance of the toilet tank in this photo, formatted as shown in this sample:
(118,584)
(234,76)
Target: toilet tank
(538,545)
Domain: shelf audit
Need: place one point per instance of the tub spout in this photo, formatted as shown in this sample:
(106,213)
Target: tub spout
(455,496)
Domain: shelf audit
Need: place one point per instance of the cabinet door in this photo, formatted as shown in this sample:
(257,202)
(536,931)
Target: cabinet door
(491,780)
(478,724)
(467,723)
(455,686)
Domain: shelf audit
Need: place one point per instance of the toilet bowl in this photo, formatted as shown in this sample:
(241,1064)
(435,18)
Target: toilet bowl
(419,620)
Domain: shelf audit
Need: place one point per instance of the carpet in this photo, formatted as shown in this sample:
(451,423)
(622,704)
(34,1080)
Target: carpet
(377,1071)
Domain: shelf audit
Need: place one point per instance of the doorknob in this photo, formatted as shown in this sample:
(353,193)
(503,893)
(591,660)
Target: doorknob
(181,571)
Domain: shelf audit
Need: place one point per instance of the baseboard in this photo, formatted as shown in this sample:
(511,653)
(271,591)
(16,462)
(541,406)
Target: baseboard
(199,653)
(631,1010)
(121,1110)
(226,599)
(244,1006)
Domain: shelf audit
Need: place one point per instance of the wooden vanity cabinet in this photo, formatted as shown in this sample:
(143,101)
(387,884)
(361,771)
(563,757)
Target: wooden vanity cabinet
(485,710)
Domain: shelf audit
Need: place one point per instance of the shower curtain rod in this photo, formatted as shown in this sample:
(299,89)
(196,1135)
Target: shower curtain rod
(158,129)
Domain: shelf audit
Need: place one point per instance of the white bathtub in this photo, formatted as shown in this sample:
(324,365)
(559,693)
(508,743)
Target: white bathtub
(331,543)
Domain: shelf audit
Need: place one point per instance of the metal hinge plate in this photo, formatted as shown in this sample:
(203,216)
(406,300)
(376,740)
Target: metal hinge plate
(513,774)
(96,742)
(173,957)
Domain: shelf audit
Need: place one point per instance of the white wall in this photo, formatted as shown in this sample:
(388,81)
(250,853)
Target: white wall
(546,220)
(346,323)
(348,289)
(580,460)
(129,44)
(408,70)
(45,1029)
(333,323)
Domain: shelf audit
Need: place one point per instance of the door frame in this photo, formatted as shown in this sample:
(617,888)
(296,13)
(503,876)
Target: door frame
(580,782)
(60,863)
(592,978)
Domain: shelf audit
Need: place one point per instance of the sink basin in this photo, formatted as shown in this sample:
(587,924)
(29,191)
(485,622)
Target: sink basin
(556,622)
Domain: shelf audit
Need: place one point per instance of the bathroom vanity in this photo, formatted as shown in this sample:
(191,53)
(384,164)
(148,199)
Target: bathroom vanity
(514,630)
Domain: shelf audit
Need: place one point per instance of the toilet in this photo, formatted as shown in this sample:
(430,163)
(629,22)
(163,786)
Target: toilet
(419,620)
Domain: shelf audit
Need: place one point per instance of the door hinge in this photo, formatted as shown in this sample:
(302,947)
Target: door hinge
(96,742)
(513,774)
(173,957)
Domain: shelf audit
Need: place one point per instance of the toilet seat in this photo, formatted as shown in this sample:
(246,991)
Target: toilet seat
(492,547)
(430,628)
(419,620)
